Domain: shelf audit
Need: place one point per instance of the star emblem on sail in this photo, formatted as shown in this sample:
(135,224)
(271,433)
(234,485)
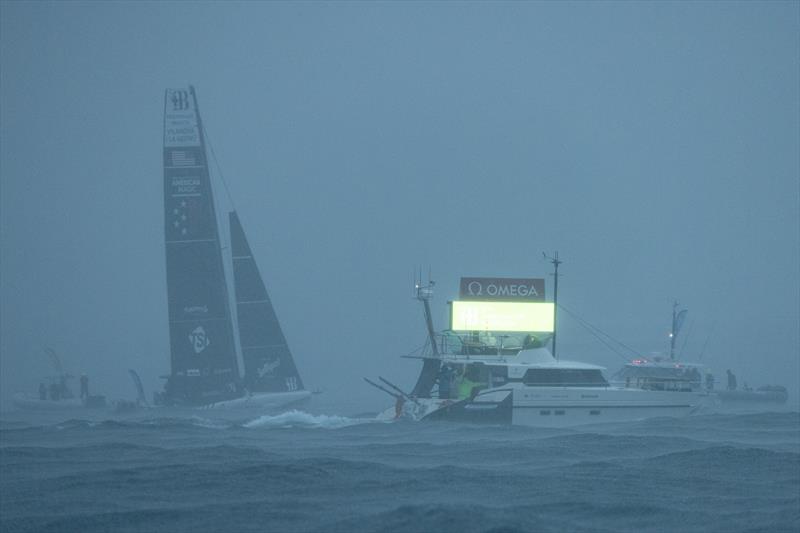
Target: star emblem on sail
(179,217)
(199,339)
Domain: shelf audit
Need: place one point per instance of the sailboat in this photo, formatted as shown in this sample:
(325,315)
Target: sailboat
(204,363)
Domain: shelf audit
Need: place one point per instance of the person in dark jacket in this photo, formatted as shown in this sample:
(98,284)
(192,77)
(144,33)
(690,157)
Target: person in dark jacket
(84,387)
(445,379)
(731,380)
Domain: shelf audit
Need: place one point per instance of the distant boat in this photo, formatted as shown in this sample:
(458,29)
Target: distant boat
(765,394)
(57,394)
(660,373)
(204,363)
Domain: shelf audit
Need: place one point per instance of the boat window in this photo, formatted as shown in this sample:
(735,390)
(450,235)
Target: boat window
(559,412)
(544,412)
(564,377)
(594,412)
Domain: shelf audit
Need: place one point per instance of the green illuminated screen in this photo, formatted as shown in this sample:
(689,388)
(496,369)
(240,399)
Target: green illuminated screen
(502,316)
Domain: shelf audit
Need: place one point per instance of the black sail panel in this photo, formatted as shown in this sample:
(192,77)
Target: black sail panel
(268,362)
(203,353)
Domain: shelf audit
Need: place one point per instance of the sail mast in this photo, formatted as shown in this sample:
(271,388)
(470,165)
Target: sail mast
(203,356)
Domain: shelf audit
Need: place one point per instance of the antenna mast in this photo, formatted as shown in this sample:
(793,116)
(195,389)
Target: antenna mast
(424,293)
(554,260)
(673,334)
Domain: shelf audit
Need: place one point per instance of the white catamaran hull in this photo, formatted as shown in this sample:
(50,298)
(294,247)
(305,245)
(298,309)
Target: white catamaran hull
(262,400)
(568,407)
(28,402)
(552,406)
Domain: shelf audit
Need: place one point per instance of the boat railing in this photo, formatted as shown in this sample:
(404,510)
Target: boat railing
(485,342)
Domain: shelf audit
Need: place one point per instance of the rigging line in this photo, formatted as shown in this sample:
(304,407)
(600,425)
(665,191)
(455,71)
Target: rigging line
(604,342)
(219,168)
(705,344)
(597,332)
(596,329)
(591,330)
(618,342)
(418,349)
(686,339)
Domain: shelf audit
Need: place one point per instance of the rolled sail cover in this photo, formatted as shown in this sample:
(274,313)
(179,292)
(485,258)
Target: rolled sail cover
(202,347)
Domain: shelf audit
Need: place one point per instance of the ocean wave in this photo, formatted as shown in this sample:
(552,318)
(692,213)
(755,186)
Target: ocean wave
(727,455)
(301,419)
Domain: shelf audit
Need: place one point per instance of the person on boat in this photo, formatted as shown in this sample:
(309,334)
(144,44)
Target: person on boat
(445,379)
(55,392)
(466,386)
(63,389)
(398,406)
(709,381)
(731,380)
(42,391)
(84,387)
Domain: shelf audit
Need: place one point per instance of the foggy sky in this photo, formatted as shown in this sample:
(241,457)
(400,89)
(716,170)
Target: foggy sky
(654,145)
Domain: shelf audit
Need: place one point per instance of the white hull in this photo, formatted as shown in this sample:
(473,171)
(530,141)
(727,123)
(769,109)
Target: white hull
(262,400)
(560,407)
(28,402)
(554,406)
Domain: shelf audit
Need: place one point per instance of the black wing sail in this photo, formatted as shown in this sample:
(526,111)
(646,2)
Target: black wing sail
(268,363)
(203,353)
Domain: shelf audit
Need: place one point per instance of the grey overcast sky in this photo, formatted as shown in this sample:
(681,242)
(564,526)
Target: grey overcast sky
(653,144)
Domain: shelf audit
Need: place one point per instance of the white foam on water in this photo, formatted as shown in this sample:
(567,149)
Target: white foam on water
(301,419)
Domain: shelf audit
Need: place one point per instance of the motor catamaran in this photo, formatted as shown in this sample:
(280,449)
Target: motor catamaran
(204,362)
(503,373)
(657,372)
(57,394)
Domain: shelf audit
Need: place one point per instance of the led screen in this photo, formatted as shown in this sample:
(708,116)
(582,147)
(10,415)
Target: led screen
(502,316)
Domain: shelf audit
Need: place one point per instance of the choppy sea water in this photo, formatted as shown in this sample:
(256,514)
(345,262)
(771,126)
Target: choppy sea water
(296,471)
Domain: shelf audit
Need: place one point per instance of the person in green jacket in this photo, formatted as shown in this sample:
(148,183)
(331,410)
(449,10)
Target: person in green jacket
(465,384)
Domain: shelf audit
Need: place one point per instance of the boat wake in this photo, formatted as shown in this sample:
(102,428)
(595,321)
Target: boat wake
(301,419)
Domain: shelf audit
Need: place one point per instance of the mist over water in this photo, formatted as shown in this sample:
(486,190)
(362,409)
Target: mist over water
(656,146)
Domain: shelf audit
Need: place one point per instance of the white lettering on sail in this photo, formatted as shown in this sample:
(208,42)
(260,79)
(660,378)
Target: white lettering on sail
(180,120)
(199,339)
(185,185)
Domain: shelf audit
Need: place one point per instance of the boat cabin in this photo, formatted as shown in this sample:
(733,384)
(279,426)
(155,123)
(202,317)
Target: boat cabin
(659,374)
(464,372)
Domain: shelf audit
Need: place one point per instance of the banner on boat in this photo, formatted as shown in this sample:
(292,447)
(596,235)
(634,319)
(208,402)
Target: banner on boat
(530,317)
(502,289)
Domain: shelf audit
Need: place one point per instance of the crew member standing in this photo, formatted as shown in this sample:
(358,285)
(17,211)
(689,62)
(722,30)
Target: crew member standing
(731,380)
(84,387)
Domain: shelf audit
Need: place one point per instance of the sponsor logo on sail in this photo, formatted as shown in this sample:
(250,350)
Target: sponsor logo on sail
(196,309)
(268,368)
(199,339)
(180,100)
